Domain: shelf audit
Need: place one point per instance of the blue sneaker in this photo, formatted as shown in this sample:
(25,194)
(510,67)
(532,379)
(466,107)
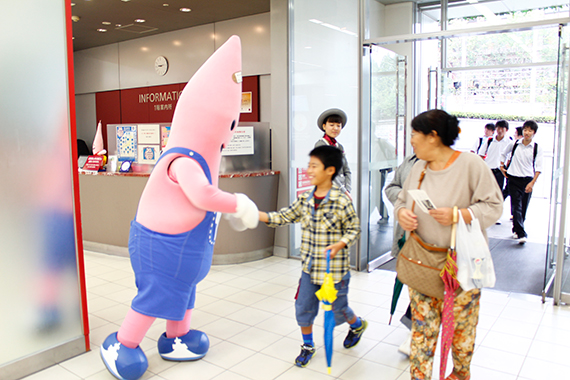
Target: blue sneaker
(124,363)
(307,352)
(354,335)
(192,346)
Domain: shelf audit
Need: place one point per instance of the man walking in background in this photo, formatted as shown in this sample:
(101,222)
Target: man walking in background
(491,150)
(522,172)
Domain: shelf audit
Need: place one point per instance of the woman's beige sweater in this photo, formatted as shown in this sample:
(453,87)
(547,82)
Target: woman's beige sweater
(466,183)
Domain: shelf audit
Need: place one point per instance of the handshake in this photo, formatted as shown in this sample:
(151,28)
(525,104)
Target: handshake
(246,215)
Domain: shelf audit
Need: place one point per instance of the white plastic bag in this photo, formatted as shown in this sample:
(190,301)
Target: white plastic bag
(474,262)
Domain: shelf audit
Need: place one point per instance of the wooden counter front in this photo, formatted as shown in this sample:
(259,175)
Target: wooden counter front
(109,203)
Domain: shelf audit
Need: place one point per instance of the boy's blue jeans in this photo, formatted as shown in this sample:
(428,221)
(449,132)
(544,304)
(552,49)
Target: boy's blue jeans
(307,304)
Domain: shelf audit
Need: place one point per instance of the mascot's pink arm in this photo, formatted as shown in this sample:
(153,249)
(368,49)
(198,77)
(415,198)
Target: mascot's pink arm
(200,193)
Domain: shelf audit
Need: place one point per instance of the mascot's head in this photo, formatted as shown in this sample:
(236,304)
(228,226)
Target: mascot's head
(208,109)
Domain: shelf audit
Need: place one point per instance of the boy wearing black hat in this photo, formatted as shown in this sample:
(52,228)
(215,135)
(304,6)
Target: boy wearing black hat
(331,122)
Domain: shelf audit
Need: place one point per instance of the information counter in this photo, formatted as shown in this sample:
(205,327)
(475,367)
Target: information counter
(109,203)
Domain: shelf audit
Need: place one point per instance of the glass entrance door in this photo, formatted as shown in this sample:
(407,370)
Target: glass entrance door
(386,141)
(516,76)
(556,266)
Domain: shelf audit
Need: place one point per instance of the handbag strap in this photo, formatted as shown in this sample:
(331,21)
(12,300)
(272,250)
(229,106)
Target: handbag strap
(447,164)
(423,174)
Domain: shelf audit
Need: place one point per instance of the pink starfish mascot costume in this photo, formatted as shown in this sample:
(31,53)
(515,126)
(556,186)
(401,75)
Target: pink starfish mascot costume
(172,237)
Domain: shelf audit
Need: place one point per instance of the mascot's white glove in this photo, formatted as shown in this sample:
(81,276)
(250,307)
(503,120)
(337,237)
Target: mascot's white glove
(246,215)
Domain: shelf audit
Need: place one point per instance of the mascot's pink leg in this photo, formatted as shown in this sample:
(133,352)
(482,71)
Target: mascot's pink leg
(179,343)
(121,351)
(179,328)
(134,328)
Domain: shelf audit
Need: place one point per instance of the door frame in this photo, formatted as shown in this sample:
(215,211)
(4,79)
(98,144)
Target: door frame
(558,296)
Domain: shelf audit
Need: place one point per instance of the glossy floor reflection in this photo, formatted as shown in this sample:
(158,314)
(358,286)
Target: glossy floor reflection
(247,310)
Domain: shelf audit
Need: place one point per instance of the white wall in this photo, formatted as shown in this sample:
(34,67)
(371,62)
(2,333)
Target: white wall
(280,112)
(376,19)
(96,69)
(87,118)
(130,64)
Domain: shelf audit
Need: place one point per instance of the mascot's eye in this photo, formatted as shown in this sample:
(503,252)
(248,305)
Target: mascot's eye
(233,125)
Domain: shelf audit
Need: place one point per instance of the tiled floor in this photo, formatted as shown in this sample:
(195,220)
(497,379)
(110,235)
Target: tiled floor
(247,311)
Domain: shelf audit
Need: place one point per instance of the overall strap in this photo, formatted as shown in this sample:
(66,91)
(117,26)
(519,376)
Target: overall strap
(191,154)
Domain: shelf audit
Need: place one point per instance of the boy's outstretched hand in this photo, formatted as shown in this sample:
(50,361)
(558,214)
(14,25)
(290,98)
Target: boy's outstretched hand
(334,248)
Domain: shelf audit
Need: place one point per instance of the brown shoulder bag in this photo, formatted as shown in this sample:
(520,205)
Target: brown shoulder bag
(419,264)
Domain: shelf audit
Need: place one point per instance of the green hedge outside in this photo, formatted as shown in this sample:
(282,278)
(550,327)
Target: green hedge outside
(495,116)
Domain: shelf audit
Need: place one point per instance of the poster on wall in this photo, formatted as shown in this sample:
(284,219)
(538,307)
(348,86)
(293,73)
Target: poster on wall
(246,102)
(303,181)
(241,143)
(127,142)
(148,154)
(164,133)
(148,133)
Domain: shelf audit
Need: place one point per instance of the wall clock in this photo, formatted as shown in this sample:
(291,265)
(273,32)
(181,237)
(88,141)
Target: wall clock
(161,65)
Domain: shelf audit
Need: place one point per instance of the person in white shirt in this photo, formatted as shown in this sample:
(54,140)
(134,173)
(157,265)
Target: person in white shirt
(522,172)
(517,136)
(489,131)
(491,150)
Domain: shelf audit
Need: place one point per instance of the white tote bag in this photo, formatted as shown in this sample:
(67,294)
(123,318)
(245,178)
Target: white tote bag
(474,262)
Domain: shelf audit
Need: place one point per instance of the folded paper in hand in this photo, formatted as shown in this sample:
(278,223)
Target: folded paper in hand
(422,200)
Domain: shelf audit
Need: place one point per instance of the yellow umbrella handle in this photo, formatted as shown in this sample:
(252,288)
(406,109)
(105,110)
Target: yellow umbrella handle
(454,220)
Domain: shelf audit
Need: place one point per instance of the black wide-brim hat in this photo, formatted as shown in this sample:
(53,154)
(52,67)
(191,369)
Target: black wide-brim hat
(331,112)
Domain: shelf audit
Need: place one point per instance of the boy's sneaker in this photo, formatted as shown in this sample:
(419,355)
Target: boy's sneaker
(307,352)
(354,335)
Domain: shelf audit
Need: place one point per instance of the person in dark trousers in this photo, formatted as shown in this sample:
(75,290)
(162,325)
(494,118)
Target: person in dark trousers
(491,150)
(523,171)
(516,137)
(392,191)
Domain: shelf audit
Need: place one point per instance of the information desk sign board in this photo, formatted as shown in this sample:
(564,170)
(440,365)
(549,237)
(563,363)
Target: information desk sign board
(241,144)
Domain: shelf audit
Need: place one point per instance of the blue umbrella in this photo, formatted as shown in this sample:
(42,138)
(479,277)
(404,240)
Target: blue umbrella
(327,294)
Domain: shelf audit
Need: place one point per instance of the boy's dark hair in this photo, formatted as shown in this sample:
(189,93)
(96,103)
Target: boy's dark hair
(490,126)
(446,125)
(530,124)
(329,156)
(502,124)
(333,119)
(519,131)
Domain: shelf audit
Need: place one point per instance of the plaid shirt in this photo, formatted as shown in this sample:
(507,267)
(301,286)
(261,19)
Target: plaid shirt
(334,220)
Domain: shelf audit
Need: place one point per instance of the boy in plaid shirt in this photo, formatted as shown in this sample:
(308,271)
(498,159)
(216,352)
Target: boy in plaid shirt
(329,222)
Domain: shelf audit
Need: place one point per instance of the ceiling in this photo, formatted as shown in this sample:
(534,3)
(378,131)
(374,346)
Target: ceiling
(158,17)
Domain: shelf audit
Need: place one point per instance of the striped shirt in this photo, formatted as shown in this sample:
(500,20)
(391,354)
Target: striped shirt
(334,220)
